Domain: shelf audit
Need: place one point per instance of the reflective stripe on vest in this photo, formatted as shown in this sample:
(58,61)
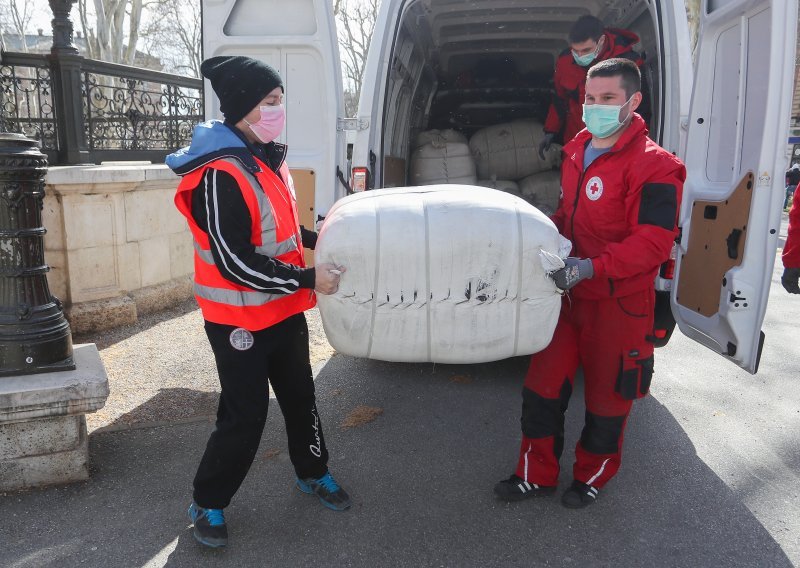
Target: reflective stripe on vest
(268,245)
(288,245)
(234,297)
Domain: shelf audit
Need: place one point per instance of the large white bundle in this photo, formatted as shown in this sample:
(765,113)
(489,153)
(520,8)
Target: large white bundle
(510,150)
(450,162)
(440,137)
(450,274)
(503,185)
(542,190)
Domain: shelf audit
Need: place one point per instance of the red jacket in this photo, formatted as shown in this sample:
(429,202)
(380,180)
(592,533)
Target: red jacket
(622,212)
(791,250)
(566,111)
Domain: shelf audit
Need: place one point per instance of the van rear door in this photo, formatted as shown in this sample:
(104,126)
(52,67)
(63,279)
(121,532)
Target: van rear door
(735,160)
(297,38)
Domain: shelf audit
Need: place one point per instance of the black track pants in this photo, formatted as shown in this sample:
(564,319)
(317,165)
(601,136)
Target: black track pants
(280,354)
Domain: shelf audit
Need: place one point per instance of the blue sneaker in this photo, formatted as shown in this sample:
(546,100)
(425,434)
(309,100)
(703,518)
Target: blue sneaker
(328,491)
(209,526)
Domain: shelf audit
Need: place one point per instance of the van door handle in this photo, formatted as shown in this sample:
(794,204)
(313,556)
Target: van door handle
(733,243)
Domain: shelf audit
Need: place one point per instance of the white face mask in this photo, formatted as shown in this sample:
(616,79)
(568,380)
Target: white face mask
(270,125)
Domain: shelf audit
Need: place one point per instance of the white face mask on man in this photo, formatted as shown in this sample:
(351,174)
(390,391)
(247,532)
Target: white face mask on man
(270,125)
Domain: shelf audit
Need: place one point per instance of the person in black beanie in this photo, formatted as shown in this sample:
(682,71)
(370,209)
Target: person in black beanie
(252,286)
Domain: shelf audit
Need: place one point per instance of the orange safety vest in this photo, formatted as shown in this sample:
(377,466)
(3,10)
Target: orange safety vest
(275,233)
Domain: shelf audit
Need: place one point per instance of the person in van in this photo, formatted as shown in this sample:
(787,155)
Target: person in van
(792,180)
(619,207)
(791,250)
(589,42)
(252,286)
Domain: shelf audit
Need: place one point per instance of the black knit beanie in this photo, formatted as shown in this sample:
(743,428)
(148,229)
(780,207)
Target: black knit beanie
(240,83)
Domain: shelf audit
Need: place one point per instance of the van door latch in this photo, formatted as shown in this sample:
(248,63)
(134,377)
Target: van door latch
(357,124)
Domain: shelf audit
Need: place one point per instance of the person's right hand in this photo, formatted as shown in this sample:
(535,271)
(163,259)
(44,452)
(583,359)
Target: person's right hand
(327,277)
(790,280)
(544,145)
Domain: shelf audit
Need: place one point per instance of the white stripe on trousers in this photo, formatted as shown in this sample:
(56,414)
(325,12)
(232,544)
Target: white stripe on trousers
(526,460)
(599,473)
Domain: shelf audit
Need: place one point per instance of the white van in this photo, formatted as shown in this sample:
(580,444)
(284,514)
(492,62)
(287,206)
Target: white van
(727,119)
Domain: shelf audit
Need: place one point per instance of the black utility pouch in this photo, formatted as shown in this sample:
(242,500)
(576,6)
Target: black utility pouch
(635,375)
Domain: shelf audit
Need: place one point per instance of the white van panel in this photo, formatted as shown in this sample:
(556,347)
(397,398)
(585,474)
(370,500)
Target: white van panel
(297,38)
(738,124)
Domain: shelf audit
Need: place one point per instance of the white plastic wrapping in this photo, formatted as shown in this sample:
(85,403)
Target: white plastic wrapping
(440,137)
(542,190)
(500,184)
(450,162)
(510,150)
(448,273)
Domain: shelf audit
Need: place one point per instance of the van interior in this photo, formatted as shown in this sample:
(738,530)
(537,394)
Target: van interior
(469,64)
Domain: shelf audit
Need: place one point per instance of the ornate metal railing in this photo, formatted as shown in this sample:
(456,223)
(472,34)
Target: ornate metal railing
(105,111)
(26,99)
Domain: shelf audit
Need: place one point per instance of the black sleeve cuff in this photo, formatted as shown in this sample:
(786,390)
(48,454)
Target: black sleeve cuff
(308,277)
(309,238)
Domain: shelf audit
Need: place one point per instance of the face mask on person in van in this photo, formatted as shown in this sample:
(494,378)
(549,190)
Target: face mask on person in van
(603,120)
(586,60)
(270,125)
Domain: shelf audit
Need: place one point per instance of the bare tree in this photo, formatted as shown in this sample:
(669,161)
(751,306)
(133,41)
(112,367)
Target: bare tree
(106,39)
(693,15)
(16,15)
(173,34)
(355,21)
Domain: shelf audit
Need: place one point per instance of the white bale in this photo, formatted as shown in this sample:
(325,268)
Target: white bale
(500,184)
(450,162)
(440,137)
(542,190)
(510,150)
(448,274)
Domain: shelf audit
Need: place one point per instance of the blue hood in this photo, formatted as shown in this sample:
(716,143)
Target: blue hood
(211,140)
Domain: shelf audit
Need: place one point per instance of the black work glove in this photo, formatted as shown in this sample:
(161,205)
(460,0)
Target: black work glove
(575,270)
(544,145)
(789,280)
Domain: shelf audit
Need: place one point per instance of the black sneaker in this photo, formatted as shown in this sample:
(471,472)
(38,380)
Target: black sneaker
(579,495)
(209,526)
(328,491)
(515,489)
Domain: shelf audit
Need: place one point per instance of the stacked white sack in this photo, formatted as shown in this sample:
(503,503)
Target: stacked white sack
(503,185)
(510,150)
(445,162)
(542,190)
(440,137)
(449,274)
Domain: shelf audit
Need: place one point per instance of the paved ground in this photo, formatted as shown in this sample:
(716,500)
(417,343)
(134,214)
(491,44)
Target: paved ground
(161,370)
(421,477)
(710,476)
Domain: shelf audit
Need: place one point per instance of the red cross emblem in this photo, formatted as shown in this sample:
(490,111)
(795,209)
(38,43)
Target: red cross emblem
(594,188)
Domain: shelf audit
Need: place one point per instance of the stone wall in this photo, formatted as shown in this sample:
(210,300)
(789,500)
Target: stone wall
(115,243)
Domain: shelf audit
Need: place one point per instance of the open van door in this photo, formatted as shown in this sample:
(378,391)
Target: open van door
(298,38)
(735,159)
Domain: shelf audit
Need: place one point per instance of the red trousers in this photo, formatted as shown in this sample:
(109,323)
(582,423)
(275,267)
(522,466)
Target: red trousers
(611,340)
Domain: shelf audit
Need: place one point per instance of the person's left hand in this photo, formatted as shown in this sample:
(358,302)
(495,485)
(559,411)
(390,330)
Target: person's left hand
(574,271)
(327,276)
(790,280)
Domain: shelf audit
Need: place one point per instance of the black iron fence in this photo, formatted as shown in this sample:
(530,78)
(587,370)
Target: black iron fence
(87,111)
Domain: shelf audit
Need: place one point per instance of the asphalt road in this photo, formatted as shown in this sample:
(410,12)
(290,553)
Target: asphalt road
(710,477)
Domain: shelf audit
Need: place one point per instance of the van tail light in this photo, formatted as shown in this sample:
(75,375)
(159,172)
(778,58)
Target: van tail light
(668,268)
(360,179)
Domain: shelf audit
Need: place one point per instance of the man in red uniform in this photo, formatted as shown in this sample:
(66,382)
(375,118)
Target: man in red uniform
(621,196)
(590,42)
(791,250)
